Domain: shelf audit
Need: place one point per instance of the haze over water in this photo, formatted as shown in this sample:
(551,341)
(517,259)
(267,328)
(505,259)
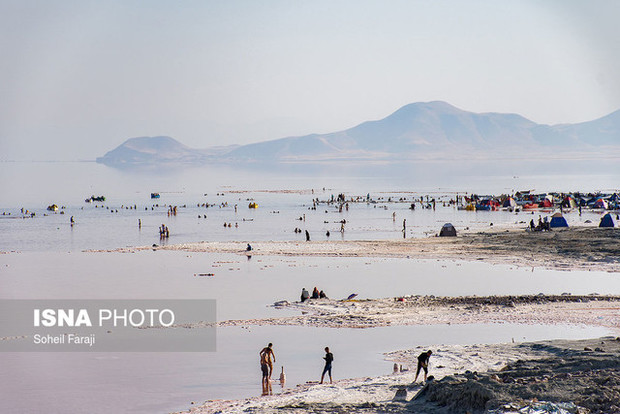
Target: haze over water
(38,185)
(78,78)
(29,183)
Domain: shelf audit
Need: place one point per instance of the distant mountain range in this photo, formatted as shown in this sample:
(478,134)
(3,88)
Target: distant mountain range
(150,150)
(428,130)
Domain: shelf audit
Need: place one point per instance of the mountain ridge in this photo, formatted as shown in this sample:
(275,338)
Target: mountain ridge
(421,129)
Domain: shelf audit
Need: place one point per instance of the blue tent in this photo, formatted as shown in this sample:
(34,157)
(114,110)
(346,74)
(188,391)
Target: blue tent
(558,221)
(607,221)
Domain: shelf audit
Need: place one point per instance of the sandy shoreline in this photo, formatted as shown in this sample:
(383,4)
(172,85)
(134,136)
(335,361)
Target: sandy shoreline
(558,371)
(454,362)
(578,310)
(585,248)
(467,378)
(590,310)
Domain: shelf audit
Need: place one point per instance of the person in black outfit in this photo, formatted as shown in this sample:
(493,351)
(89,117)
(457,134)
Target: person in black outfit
(423,364)
(329,357)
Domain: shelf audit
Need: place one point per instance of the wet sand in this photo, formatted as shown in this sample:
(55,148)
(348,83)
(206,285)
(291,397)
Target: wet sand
(585,248)
(588,310)
(467,378)
(475,377)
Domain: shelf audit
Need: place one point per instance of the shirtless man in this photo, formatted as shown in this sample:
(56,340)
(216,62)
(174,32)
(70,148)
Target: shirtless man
(265,359)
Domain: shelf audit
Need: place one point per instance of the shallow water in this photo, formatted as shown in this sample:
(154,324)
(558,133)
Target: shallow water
(122,382)
(51,264)
(68,184)
(114,224)
(246,288)
(148,383)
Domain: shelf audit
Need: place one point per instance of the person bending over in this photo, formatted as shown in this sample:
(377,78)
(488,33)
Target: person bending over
(423,364)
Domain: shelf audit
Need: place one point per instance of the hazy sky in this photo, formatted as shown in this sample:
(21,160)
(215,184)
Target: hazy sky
(77,78)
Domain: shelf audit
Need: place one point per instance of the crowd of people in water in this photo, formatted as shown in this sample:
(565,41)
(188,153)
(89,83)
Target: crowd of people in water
(516,201)
(519,201)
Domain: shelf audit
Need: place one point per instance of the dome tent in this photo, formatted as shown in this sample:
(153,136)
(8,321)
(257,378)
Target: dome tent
(600,203)
(607,221)
(557,220)
(447,230)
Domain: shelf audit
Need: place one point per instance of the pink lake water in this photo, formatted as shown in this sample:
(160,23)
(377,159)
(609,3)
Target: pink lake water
(47,261)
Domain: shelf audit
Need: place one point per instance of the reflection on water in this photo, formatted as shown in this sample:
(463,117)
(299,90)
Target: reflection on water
(55,382)
(147,383)
(267,388)
(244,288)
(284,192)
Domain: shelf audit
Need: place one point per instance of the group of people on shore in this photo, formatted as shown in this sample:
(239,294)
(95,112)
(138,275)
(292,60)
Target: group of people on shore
(316,294)
(268,358)
(543,225)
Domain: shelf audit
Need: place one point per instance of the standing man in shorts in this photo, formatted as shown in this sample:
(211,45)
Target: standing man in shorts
(265,359)
(265,370)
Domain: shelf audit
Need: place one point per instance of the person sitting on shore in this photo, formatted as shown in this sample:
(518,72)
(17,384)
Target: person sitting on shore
(423,364)
(322,295)
(315,293)
(304,295)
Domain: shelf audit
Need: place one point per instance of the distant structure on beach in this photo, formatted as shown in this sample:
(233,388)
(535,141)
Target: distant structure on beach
(447,230)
